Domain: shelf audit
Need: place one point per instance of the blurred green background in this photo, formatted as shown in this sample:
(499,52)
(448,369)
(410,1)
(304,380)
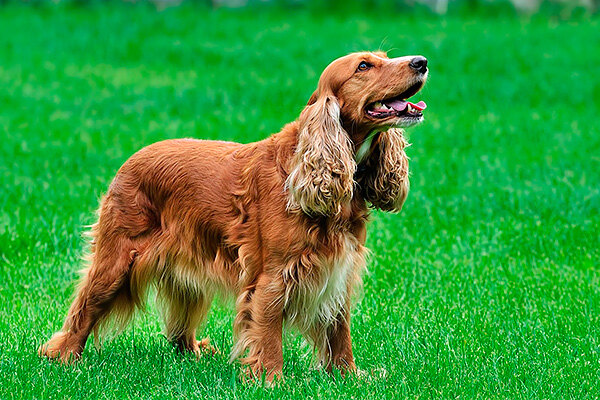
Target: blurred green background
(485,286)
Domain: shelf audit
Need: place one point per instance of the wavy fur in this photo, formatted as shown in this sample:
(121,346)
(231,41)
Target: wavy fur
(322,175)
(385,183)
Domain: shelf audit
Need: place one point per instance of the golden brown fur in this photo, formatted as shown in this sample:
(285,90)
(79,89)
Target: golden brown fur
(279,223)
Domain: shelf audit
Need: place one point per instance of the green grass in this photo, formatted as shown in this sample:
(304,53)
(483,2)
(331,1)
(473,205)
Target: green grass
(487,285)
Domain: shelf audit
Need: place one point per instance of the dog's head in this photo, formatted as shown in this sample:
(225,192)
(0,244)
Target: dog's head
(373,90)
(357,95)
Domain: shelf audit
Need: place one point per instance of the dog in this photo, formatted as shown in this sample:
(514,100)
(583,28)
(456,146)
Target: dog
(280,223)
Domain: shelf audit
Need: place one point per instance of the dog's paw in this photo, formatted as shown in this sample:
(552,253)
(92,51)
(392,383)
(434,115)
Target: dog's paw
(204,347)
(196,347)
(60,347)
(258,374)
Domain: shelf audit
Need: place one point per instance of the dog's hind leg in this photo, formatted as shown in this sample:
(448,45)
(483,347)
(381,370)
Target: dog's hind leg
(185,307)
(104,288)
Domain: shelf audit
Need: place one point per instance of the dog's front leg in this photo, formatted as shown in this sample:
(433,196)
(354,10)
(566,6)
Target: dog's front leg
(334,344)
(262,329)
(340,345)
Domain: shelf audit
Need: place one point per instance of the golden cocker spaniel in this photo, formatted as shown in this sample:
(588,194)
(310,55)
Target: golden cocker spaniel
(278,223)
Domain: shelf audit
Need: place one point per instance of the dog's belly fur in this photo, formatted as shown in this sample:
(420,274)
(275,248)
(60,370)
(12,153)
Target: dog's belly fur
(314,301)
(318,298)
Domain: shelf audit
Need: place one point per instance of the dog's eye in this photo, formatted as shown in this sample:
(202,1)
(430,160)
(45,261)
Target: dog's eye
(363,66)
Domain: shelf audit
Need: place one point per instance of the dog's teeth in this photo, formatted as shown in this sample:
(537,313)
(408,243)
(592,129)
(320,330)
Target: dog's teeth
(385,107)
(410,109)
(377,105)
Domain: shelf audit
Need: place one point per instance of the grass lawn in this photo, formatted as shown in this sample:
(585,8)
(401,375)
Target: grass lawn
(487,285)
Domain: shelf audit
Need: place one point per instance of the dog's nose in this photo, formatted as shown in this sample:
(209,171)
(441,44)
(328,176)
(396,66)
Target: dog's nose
(419,64)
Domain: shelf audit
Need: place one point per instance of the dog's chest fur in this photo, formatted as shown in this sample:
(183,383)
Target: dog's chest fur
(320,294)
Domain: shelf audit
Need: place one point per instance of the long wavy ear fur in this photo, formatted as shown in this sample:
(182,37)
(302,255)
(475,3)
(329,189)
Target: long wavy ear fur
(322,170)
(385,183)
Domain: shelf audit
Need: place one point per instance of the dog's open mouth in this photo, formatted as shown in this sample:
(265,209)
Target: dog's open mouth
(398,106)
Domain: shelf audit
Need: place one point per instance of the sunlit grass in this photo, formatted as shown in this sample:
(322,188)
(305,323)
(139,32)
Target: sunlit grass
(486,285)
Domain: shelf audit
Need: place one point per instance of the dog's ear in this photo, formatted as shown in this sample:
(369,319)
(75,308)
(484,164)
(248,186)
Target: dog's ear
(322,169)
(313,98)
(385,182)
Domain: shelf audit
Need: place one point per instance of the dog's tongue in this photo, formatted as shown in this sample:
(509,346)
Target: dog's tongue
(400,105)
